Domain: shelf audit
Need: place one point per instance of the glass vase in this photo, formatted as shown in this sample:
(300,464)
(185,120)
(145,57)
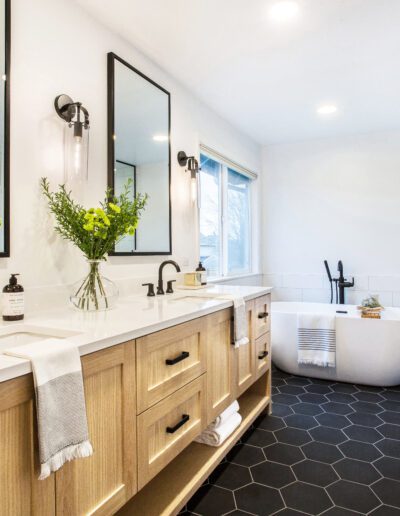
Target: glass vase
(94,292)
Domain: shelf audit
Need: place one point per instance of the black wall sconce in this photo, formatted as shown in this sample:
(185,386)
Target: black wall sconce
(190,162)
(193,167)
(76,138)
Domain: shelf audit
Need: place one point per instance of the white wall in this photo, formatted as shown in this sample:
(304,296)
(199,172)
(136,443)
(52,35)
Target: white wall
(57,48)
(336,198)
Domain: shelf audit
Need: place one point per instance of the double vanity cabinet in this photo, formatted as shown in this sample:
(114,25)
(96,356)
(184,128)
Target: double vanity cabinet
(147,400)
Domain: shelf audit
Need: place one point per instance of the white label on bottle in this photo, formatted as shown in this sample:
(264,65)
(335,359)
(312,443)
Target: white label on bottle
(204,277)
(13,303)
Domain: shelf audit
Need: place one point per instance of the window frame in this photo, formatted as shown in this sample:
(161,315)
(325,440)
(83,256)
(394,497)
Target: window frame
(226,164)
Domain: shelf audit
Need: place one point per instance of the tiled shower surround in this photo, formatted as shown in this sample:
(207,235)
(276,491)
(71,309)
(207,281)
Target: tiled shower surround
(316,288)
(329,448)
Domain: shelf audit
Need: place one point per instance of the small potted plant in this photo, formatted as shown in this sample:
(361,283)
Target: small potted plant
(371,308)
(95,231)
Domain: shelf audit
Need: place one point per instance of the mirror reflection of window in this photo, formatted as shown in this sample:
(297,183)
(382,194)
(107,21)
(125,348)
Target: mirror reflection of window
(141,152)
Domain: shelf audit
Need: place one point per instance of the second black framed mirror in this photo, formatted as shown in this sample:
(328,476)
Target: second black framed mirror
(139,127)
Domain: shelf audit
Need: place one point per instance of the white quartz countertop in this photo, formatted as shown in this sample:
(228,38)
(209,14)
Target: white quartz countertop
(133,317)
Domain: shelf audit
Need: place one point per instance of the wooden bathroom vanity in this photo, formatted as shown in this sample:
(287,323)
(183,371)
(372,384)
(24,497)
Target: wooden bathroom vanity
(147,399)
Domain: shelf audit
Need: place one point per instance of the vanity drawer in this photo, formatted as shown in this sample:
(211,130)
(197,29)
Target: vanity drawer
(262,315)
(167,428)
(168,360)
(263,354)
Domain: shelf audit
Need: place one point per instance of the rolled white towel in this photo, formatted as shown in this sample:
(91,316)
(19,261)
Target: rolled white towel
(216,436)
(224,416)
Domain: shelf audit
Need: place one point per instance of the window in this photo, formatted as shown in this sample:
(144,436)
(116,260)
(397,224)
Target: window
(225,229)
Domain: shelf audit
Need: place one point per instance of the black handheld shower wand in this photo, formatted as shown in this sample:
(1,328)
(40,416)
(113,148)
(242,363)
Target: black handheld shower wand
(328,272)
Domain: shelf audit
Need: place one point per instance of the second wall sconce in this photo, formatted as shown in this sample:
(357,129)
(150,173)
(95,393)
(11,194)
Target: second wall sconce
(193,167)
(76,138)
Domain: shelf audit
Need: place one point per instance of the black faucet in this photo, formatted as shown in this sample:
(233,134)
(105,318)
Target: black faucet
(160,286)
(340,282)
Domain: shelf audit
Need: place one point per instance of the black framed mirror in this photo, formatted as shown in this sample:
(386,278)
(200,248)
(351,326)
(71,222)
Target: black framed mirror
(5,53)
(139,127)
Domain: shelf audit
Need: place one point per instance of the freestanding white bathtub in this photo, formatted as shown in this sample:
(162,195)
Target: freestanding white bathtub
(367,350)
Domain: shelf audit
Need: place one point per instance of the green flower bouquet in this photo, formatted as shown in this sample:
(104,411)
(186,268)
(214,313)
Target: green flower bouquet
(95,232)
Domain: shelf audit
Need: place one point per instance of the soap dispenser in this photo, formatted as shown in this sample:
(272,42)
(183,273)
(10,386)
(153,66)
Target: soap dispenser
(13,300)
(203,273)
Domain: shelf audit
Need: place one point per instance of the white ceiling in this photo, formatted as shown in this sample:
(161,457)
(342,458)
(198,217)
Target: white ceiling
(268,79)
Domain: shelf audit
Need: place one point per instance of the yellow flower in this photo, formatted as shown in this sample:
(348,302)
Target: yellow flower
(114,207)
(88,227)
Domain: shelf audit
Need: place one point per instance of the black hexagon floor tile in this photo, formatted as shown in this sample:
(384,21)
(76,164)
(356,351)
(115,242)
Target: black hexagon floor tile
(332,420)
(385,510)
(388,467)
(367,407)
(324,434)
(245,455)
(284,453)
(393,406)
(315,473)
(372,397)
(257,437)
(337,408)
(301,421)
(363,434)
(390,431)
(363,419)
(340,397)
(270,423)
(360,451)
(308,409)
(356,471)
(293,436)
(258,499)
(389,447)
(388,491)
(390,417)
(345,388)
(322,452)
(391,395)
(318,389)
(212,500)
(305,497)
(280,410)
(230,476)
(310,397)
(292,389)
(329,448)
(285,399)
(272,474)
(355,497)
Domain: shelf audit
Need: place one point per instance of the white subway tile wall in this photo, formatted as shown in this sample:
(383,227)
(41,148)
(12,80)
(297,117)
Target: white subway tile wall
(315,288)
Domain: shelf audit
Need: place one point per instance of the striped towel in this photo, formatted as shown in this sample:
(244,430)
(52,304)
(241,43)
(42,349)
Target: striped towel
(60,402)
(316,339)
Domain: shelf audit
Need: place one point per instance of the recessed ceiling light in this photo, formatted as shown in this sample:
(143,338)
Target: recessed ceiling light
(284,11)
(327,109)
(160,138)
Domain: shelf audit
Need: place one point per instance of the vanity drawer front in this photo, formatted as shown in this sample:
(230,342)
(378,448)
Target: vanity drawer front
(263,354)
(168,360)
(167,428)
(262,315)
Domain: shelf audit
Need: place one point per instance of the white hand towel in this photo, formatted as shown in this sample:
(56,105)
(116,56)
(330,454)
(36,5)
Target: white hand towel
(216,436)
(60,402)
(224,416)
(316,343)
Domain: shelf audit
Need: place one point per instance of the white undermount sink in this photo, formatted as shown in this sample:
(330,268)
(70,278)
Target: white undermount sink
(195,299)
(20,334)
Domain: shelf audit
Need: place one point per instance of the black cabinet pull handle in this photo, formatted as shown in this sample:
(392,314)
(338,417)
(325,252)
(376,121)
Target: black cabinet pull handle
(173,429)
(179,358)
(263,315)
(262,355)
